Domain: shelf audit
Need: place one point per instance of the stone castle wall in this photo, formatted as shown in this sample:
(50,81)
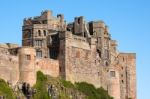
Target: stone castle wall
(48,66)
(79,60)
(23,67)
(9,66)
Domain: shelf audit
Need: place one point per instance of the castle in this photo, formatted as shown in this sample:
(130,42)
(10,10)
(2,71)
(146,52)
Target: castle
(77,51)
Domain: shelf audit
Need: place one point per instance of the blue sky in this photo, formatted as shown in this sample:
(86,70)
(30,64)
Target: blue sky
(128,21)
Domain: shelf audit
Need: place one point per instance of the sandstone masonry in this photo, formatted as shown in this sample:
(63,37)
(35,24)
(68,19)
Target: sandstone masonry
(77,51)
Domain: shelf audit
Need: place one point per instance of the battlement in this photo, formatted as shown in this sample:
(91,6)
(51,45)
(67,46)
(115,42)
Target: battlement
(129,55)
(46,18)
(98,24)
(8,45)
(44,15)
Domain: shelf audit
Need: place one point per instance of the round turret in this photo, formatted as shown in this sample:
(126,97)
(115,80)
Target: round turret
(27,65)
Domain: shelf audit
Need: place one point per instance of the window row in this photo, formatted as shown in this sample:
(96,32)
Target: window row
(38,43)
(40,33)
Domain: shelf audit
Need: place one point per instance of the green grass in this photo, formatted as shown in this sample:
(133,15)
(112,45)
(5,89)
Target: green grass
(5,90)
(40,86)
(63,96)
(92,92)
(88,89)
(67,84)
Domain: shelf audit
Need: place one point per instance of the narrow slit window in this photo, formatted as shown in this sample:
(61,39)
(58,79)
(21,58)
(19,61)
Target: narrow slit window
(44,32)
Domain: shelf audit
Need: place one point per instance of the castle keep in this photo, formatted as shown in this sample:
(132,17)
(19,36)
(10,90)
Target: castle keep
(78,51)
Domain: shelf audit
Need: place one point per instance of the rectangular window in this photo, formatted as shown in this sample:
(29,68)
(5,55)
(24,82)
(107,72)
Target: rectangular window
(39,54)
(28,57)
(38,43)
(112,74)
(53,52)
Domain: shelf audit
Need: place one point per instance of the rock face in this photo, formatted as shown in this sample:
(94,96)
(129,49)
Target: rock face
(78,51)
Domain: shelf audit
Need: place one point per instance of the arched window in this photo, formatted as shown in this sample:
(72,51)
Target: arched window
(39,33)
(44,31)
(106,64)
(99,52)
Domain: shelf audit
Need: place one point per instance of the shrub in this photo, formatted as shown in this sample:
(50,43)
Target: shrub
(41,76)
(5,90)
(88,89)
(41,86)
(63,96)
(92,92)
(103,93)
(67,84)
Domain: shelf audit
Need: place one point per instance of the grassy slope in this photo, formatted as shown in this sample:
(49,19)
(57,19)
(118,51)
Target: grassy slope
(41,87)
(88,89)
(85,89)
(5,90)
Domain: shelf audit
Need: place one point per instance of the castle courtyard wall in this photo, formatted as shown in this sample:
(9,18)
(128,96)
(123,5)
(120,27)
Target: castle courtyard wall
(9,68)
(48,66)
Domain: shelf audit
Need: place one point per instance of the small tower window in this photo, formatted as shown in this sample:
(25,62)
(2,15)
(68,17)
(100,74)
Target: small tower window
(99,52)
(121,75)
(78,20)
(28,57)
(123,59)
(39,32)
(60,69)
(44,31)
(112,73)
(106,64)
(122,81)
